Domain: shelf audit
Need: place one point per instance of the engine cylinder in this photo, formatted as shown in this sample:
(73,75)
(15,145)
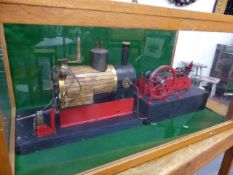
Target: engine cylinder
(79,87)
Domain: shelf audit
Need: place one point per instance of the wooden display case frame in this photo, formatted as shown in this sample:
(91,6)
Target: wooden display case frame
(104,13)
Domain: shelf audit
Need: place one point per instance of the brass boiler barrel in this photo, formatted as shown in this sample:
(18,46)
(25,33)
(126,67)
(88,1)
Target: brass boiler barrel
(83,82)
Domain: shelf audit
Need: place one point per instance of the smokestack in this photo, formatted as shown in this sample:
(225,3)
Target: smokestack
(125,52)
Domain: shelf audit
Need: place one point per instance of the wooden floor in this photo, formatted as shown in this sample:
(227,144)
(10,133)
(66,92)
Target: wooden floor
(186,160)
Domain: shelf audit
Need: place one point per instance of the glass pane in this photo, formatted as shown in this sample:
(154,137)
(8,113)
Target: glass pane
(81,156)
(5,108)
(212,55)
(103,120)
(34,50)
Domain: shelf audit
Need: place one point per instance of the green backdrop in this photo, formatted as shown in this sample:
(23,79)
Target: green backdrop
(34,49)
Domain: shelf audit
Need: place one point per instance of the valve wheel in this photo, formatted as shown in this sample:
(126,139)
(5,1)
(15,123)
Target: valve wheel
(162,82)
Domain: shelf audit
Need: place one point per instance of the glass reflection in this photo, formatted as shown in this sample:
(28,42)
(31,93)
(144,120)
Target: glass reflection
(34,50)
(5,107)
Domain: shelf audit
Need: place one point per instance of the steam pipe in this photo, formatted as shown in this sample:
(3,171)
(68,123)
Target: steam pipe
(125,53)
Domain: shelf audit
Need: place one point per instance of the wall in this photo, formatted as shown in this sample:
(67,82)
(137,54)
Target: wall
(196,46)
(199,47)
(200,5)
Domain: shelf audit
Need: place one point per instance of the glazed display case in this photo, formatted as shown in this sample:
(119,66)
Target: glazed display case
(83,86)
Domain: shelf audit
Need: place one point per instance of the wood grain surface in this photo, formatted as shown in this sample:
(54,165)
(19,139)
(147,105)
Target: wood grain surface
(110,14)
(186,160)
(227,162)
(11,96)
(153,153)
(5,168)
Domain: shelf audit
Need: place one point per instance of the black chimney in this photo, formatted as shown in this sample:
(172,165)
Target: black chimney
(125,52)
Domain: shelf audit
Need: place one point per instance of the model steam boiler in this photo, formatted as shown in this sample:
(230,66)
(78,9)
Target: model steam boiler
(87,93)
(78,85)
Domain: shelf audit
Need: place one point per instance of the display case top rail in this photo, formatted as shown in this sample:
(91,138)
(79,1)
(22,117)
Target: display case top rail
(104,13)
(122,7)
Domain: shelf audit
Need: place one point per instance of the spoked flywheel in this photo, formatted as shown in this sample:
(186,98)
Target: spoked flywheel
(161,82)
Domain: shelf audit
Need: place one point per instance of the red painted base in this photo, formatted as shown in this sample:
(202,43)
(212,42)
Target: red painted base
(94,112)
(45,130)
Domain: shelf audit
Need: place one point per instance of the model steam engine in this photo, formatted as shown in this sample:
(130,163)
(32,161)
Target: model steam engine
(100,98)
(78,85)
(92,92)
